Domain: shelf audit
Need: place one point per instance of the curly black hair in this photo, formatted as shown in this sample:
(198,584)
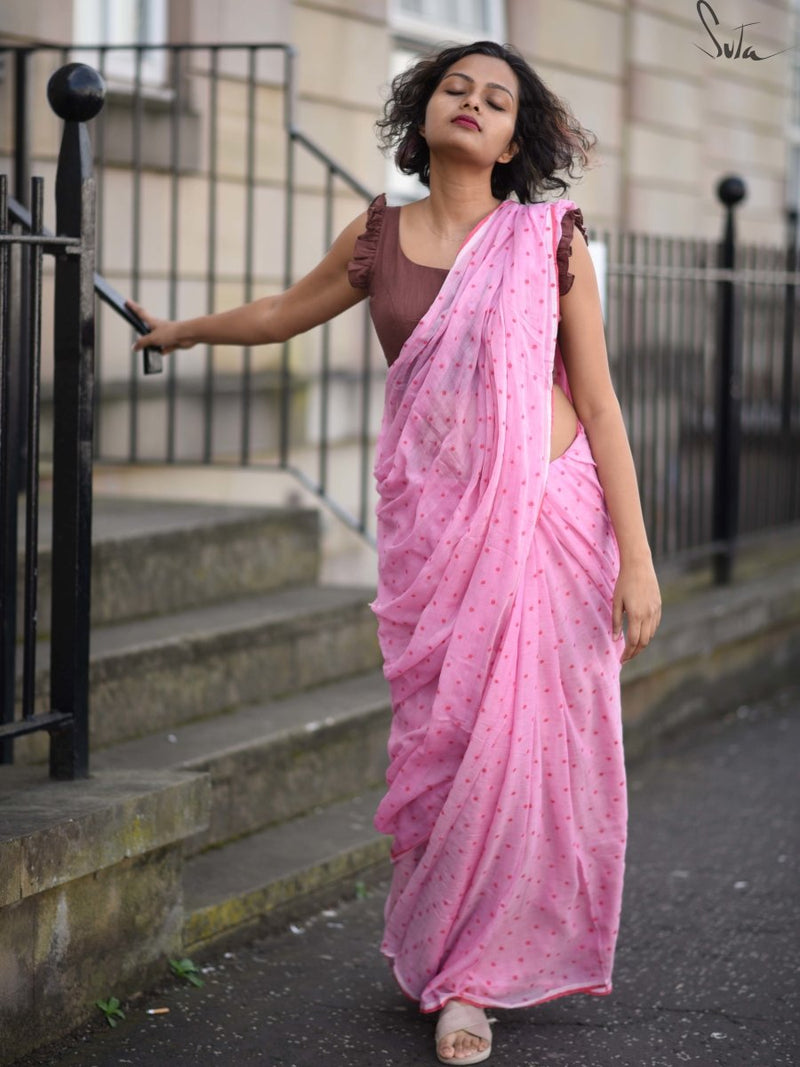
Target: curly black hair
(550,141)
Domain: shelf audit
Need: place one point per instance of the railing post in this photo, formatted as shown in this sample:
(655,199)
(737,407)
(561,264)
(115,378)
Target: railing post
(13,401)
(20,310)
(727,428)
(790,293)
(789,319)
(76,94)
(8,494)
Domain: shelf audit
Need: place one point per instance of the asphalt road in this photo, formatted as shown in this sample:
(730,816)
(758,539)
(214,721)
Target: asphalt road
(706,969)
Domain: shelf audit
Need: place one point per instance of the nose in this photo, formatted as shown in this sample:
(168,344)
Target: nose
(472,100)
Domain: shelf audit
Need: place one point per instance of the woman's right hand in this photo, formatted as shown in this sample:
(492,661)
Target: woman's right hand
(164,334)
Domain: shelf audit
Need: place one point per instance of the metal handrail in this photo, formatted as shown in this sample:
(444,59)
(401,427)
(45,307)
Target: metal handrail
(296,139)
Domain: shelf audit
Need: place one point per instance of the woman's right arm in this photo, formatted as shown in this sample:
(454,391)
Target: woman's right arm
(321,295)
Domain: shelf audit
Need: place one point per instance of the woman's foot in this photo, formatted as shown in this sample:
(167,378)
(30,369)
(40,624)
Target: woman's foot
(462,1034)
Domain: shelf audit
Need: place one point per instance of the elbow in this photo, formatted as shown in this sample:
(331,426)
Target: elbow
(599,412)
(274,336)
(266,327)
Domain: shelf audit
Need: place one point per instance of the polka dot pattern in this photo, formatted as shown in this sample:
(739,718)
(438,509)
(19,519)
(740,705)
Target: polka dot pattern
(506,787)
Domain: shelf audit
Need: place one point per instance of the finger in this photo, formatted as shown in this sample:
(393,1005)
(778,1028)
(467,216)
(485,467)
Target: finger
(646,632)
(138,310)
(147,340)
(616,617)
(632,638)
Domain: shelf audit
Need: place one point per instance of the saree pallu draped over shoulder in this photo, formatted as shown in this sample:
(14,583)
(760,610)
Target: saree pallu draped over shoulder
(506,792)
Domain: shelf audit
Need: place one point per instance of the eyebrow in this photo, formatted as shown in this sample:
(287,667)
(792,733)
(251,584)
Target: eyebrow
(489,85)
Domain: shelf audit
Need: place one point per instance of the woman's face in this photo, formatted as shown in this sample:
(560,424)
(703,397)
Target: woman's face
(472,112)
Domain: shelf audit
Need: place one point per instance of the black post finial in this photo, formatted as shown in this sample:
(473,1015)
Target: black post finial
(731,190)
(76,92)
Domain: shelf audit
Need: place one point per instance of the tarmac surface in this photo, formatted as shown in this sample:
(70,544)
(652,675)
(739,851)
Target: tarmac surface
(706,969)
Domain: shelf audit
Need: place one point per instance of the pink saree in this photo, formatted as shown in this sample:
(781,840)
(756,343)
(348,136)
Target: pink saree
(506,787)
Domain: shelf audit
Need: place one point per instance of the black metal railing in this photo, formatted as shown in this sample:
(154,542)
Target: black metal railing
(241,407)
(76,95)
(700,336)
(310,406)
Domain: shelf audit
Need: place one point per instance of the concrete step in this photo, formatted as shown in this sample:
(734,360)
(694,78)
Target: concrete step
(157,673)
(157,558)
(283,874)
(275,761)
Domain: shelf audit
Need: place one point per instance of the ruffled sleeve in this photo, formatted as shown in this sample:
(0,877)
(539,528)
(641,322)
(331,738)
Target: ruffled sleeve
(571,219)
(359,269)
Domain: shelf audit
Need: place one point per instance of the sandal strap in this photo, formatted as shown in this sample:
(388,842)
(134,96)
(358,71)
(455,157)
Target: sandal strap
(459,1016)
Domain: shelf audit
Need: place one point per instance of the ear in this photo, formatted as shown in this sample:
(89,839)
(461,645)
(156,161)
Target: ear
(509,153)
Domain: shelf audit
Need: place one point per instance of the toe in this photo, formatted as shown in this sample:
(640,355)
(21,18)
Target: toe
(446,1049)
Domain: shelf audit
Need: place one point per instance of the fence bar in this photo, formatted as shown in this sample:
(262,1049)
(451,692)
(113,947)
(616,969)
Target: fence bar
(136,248)
(211,263)
(100,186)
(32,489)
(727,440)
(325,373)
(288,257)
(789,325)
(76,94)
(789,315)
(174,228)
(19,309)
(8,501)
(249,247)
(22,147)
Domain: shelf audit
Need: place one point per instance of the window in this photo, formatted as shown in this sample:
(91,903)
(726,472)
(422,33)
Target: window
(420,25)
(119,22)
(431,21)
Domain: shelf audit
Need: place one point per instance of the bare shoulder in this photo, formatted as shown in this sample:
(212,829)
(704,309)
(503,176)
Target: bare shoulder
(584,287)
(579,252)
(344,245)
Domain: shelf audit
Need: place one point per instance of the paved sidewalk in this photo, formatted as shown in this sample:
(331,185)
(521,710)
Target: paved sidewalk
(706,967)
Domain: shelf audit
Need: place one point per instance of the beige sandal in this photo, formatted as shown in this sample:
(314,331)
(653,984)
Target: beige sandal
(456,1015)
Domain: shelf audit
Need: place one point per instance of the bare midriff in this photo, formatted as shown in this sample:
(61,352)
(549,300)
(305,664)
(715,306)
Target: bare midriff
(564,424)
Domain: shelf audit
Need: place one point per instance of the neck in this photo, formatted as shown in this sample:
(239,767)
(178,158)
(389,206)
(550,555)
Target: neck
(458,200)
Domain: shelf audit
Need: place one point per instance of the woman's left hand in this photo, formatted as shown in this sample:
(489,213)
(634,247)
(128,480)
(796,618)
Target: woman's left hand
(636,596)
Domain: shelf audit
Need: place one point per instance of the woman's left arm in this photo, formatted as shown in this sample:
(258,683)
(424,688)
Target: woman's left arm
(583,349)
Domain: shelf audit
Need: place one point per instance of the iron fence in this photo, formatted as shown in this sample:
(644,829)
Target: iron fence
(76,95)
(216,155)
(701,343)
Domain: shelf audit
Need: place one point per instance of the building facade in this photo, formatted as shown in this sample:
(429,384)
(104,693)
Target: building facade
(208,196)
(673,90)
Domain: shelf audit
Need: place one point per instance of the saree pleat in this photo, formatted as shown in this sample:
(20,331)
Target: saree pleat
(506,793)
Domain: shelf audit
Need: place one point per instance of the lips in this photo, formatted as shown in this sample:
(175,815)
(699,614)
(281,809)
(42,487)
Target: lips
(465,120)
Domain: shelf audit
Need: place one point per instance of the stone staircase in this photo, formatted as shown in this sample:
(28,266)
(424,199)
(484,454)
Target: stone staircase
(215,651)
(239,722)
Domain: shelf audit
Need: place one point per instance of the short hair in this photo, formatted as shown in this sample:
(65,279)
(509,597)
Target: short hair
(550,142)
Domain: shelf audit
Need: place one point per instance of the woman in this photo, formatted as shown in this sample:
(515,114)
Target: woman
(511,544)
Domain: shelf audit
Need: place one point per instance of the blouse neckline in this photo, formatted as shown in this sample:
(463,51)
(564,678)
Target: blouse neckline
(442,270)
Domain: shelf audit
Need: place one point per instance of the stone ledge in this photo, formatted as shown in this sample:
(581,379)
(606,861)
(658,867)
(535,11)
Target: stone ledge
(57,832)
(715,648)
(719,617)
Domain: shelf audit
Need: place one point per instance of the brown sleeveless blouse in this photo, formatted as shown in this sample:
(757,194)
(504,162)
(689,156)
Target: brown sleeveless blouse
(401,291)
